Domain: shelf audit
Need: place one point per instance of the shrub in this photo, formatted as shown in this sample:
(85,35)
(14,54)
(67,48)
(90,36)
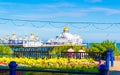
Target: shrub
(103,46)
(64,48)
(5,49)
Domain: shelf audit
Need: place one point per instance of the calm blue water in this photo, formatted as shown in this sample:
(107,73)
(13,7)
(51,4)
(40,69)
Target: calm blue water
(118,46)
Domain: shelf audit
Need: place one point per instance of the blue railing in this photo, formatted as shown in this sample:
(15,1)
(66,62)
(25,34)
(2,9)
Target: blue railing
(103,68)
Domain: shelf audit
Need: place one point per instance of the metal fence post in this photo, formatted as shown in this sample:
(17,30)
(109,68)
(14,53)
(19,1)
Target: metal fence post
(108,57)
(103,69)
(12,66)
(112,57)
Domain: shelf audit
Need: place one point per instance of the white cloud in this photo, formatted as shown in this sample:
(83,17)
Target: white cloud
(108,11)
(52,15)
(54,5)
(6,3)
(93,1)
(18,7)
(57,5)
(35,11)
(3,12)
(74,13)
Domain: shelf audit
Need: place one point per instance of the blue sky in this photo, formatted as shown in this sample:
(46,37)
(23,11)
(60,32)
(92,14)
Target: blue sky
(62,10)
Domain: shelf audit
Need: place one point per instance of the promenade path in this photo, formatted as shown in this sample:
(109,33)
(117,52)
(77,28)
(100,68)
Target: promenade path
(115,70)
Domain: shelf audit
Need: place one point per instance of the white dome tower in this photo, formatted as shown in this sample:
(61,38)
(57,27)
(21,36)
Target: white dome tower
(67,38)
(14,36)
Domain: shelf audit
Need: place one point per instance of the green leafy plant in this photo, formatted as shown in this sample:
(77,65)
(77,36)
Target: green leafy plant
(43,73)
(103,46)
(5,50)
(64,48)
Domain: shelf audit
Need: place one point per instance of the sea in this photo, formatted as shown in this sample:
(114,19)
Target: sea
(118,46)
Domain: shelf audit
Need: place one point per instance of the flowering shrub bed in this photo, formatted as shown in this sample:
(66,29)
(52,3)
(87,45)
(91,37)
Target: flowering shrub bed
(87,65)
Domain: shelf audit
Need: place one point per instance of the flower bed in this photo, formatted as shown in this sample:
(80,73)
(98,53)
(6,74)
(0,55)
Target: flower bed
(87,65)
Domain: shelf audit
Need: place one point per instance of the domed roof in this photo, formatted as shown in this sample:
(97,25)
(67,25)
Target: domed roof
(66,28)
(68,35)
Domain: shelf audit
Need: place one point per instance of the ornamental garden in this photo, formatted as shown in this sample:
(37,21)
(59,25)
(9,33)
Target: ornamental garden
(58,63)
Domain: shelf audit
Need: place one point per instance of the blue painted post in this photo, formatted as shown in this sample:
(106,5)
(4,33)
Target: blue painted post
(12,66)
(103,69)
(110,54)
(112,57)
(107,58)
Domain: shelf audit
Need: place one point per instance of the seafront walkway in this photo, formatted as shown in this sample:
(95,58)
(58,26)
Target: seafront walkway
(115,70)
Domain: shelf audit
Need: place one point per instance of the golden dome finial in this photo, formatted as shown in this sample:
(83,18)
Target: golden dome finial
(14,34)
(32,33)
(66,28)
